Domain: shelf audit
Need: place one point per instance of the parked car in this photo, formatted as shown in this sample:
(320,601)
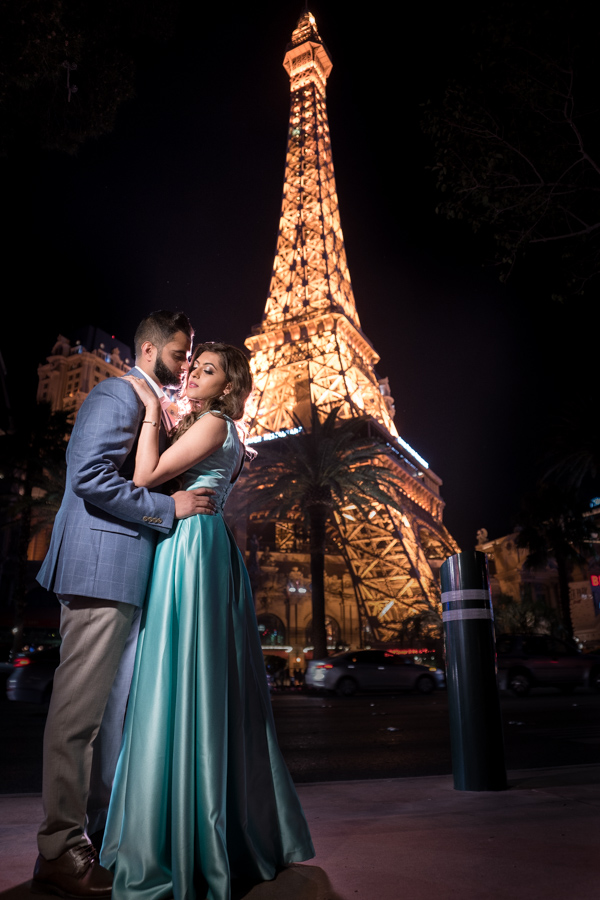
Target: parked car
(32,675)
(366,670)
(540,660)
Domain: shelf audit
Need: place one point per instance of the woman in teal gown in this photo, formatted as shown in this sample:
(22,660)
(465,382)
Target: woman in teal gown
(201,793)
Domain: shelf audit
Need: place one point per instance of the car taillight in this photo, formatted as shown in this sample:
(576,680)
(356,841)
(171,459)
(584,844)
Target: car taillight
(19,663)
(324,666)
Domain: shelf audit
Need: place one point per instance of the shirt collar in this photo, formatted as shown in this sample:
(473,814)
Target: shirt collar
(165,403)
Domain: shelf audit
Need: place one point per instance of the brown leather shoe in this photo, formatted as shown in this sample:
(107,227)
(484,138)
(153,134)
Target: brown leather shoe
(76,874)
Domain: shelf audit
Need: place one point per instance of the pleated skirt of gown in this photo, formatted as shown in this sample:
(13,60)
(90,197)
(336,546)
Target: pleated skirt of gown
(201,794)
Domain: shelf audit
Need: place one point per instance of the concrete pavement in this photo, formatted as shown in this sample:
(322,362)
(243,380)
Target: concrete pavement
(414,838)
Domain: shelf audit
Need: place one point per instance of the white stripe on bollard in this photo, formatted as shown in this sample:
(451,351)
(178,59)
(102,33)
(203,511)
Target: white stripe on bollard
(454,615)
(468,594)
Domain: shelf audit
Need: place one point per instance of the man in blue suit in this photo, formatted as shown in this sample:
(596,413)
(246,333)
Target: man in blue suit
(99,563)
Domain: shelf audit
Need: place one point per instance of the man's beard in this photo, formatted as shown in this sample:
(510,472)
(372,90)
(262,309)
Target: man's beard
(164,375)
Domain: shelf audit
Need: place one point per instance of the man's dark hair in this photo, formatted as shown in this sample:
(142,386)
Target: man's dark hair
(159,327)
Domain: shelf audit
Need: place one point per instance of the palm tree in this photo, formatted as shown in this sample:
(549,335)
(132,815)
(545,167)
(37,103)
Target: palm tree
(553,526)
(528,615)
(317,473)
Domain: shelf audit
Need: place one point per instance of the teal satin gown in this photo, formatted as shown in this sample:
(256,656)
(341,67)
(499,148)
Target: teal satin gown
(201,793)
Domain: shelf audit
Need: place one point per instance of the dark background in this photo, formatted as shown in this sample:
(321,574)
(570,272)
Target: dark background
(179,208)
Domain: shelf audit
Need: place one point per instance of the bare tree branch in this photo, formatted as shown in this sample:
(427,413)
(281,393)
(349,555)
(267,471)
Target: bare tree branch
(516,146)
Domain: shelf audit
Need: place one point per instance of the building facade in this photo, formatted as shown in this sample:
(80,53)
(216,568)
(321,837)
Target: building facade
(510,577)
(66,378)
(73,369)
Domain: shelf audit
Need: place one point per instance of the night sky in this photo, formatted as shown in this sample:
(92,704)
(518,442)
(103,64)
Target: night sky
(179,208)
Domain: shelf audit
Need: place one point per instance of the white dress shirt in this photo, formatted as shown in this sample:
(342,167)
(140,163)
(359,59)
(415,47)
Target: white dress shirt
(165,403)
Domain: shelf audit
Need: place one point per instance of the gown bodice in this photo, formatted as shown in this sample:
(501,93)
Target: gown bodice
(218,469)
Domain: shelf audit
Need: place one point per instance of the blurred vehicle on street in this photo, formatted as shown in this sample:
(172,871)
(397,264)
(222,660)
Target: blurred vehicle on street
(372,670)
(37,638)
(32,675)
(540,660)
(276,668)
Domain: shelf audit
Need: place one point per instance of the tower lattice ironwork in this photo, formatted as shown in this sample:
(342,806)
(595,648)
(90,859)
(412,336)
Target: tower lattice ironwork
(310,351)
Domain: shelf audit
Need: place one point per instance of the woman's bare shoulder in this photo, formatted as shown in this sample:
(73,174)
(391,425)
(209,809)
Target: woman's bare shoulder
(210,423)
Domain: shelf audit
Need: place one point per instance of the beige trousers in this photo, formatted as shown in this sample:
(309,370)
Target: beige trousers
(85,718)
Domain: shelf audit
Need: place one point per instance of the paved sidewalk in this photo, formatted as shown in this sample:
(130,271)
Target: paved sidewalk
(413,838)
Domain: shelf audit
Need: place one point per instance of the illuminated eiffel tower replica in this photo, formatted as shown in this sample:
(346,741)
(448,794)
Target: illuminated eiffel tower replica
(309,351)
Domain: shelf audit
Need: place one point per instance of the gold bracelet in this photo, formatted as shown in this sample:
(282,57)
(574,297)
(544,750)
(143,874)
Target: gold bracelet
(149,422)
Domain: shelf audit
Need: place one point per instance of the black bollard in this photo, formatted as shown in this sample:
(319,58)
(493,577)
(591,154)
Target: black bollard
(473,701)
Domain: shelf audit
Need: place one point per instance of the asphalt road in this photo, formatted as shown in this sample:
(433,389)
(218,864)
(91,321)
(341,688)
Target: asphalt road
(378,736)
(327,738)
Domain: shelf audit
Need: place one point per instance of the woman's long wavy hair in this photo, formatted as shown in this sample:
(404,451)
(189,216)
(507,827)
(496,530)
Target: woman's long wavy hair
(237,372)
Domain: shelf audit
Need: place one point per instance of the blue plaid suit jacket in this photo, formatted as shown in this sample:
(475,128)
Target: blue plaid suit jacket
(105,532)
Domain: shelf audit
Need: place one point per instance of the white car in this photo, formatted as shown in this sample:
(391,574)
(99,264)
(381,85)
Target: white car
(369,670)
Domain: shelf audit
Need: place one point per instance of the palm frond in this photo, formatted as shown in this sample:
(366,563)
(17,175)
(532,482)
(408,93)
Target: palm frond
(326,465)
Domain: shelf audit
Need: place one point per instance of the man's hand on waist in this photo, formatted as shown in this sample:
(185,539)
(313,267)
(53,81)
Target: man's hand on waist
(192,503)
